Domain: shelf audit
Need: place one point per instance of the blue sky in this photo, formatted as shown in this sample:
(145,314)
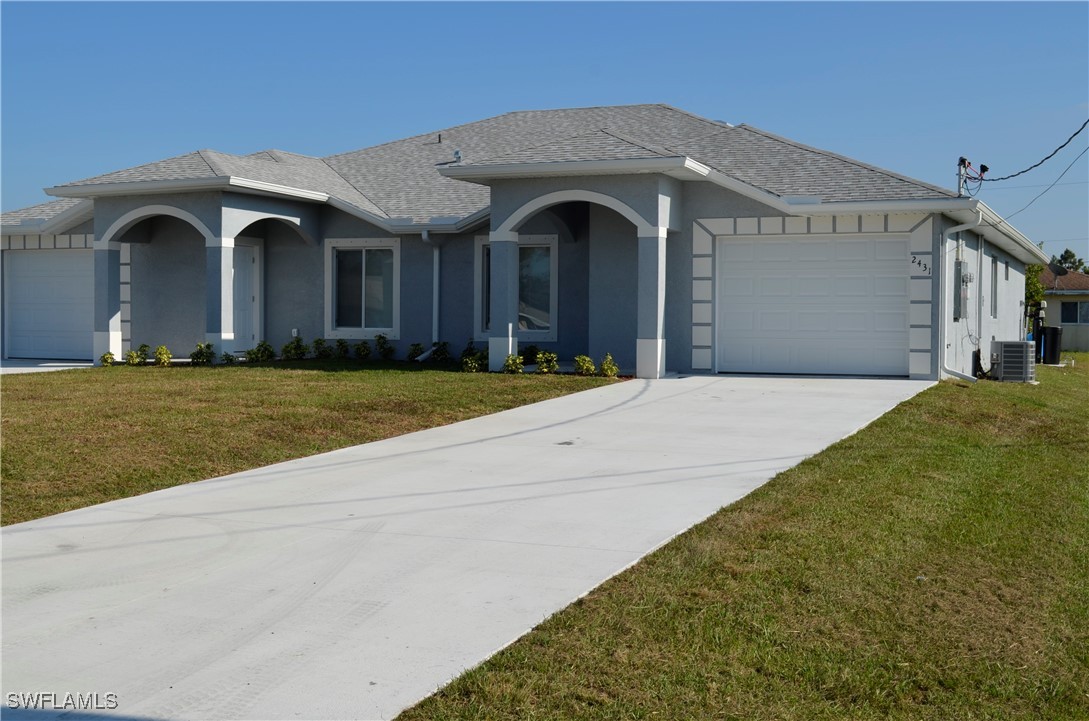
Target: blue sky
(93,87)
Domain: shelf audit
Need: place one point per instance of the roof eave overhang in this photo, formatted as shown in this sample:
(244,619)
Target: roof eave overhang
(188,185)
(1048,291)
(677,166)
(60,222)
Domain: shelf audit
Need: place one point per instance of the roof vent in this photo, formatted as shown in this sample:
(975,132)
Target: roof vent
(457,156)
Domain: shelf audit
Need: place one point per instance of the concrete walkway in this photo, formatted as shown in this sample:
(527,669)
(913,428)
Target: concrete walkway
(40,366)
(352,584)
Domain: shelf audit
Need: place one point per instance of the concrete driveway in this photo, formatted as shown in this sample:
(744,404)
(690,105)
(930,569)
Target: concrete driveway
(354,583)
(40,366)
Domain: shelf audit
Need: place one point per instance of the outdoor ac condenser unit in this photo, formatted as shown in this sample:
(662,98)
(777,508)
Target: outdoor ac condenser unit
(1016,361)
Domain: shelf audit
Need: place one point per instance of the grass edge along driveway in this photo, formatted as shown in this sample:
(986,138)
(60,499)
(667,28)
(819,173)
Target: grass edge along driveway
(76,438)
(934,565)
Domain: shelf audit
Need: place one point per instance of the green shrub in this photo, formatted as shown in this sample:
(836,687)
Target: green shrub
(295,349)
(204,355)
(529,354)
(343,349)
(470,364)
(162,356)
(227,359)
(384,348)
(132,358)
(609,368)
(547,362)
(322,349)
(470,350)
(362,350)
(415,351)
(261,353)
(513,364)
(441,352)
(584,365)
(143,351)
(107,359)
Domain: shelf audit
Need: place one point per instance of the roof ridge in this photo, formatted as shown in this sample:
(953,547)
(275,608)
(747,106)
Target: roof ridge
(353,186)
(662,150)
(844,158)
(214,167)
(717,123)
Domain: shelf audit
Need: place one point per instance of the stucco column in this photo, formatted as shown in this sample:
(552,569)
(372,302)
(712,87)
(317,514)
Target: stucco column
(503,334)
(219,303)
(650,310)
(107,329)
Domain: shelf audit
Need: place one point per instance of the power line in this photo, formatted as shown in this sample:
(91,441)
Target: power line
(1022,172)
(1040,185)
(1083,152)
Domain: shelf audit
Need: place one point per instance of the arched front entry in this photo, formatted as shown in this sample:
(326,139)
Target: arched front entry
(623,269)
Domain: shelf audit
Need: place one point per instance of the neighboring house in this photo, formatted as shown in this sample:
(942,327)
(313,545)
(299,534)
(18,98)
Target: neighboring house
(674,242)
(1067,299)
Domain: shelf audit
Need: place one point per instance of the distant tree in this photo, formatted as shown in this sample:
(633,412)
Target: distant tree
(1034,289)
(1070,260)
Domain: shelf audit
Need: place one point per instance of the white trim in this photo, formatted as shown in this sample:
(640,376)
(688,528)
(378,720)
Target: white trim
(643,228)
(534,241)
(331,245)
(146,211)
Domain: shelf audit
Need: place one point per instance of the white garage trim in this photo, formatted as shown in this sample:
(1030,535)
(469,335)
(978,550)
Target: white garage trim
(49,304)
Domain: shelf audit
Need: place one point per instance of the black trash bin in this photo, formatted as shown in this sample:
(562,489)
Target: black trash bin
(1053,343)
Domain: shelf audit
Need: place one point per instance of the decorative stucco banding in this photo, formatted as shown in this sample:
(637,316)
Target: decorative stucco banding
(526,211)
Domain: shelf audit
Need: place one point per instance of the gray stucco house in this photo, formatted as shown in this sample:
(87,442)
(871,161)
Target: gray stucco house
(674,242)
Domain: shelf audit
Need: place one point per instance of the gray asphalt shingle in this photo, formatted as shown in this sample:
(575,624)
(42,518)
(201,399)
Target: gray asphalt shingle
(38,213)
(400,180)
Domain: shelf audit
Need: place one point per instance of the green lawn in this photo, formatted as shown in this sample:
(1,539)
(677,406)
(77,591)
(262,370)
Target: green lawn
(75,438)
(933,566)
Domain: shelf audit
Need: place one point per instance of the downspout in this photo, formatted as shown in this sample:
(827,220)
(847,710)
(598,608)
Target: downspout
(979,300)
(435,258)
(942,309)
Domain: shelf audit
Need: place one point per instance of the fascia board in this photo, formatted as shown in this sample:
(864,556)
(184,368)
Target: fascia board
(75,215)
(1066,292)
(274,189)
(477,173)
(22,228)
(139,187)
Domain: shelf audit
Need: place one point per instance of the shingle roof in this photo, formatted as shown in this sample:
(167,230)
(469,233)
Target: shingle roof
(784,167)
(595,145)
(38,213)
(400,180)
(1073,280)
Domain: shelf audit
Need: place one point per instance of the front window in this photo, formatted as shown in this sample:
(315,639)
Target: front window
(362,288)
(537,283)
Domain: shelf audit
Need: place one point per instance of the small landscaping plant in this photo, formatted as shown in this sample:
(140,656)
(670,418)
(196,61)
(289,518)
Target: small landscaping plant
(470,364)
(441,352)
(469,351)
(162,356)
(322,349)
(107,359)
(343,350)
(227,359)
(261,353)
(384,347)
(138,357)
(415,351)
(529,354)
(609,368)
(204,355)
(295,349)
(547,362)
(584,366)
(363,350)
(513,364)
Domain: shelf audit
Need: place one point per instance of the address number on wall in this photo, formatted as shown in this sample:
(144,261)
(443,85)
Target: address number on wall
(920,265)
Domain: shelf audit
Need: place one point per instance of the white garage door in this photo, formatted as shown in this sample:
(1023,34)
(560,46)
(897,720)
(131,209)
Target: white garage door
(823,305)
(49,303)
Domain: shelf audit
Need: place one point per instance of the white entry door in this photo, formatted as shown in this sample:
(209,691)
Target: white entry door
(49,304)
(835,305)
(247,295)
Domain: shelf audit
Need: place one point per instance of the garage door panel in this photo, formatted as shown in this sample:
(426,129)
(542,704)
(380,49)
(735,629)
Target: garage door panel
(49,303)
(840,306)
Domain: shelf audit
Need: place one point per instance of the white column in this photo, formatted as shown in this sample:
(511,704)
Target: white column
(650,311)
(503,334)
(219,300)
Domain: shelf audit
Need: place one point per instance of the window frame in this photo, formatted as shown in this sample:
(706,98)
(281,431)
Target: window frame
(332,245)
(994,287)
(550,241)
(1079,306)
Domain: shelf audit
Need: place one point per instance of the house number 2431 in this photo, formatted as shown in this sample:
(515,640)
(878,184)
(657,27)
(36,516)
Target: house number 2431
(921,264)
